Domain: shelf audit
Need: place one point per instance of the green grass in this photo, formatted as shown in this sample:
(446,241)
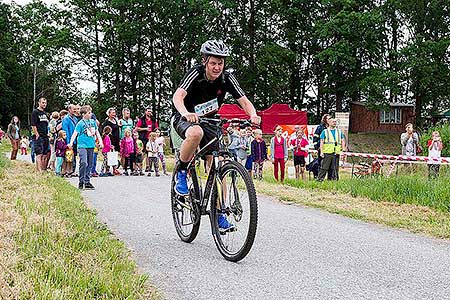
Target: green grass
(57,249)
(4,162)
(405,188)
(409,189)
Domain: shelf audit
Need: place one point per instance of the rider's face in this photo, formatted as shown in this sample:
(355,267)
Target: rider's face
(214,67)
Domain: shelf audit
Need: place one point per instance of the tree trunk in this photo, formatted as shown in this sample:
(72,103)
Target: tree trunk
(252,64)
(152,74)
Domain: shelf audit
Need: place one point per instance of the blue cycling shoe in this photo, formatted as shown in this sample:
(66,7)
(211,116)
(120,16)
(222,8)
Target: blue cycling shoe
(181,187)
(224,225)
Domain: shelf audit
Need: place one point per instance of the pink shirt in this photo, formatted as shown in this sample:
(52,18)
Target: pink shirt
(106,144)
(279,147)
(126,146)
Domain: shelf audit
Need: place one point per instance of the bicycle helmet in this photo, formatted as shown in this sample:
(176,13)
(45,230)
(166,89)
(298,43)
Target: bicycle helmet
(214,48)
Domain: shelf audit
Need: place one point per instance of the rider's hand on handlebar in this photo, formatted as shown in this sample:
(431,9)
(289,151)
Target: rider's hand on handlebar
(190,117)
(255,119)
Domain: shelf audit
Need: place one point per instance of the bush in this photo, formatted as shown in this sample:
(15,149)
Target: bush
(444,131)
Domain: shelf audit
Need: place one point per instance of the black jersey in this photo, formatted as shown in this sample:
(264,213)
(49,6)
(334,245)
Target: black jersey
(200,90)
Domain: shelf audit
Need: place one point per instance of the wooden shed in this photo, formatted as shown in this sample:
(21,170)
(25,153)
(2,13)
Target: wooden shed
(392,120)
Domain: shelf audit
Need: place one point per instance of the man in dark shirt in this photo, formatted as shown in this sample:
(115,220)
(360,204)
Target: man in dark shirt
(316,142)
(144,126)
(39,125)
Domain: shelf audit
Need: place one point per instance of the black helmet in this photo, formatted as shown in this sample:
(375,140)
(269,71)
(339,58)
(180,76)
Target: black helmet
(214,48)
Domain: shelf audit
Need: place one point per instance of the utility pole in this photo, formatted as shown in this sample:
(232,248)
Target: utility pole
(34,85)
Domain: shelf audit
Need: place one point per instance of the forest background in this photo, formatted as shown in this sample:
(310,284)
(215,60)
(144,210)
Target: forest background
(313,55)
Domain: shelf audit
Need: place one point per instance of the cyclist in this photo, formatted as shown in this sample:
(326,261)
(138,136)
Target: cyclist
(201,92)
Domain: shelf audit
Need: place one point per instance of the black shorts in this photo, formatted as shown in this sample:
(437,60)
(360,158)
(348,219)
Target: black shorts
(209,132)
(41,145)
(299,160)
(138,158)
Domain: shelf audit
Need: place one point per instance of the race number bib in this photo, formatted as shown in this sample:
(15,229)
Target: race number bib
(207,108)
(90,131)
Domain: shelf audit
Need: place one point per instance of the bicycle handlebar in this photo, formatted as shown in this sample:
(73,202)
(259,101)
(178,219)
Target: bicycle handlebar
(221,122)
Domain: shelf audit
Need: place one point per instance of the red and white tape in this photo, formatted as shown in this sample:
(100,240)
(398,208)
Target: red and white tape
(399,157)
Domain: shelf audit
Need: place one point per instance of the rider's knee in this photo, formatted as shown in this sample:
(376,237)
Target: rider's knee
(195,132)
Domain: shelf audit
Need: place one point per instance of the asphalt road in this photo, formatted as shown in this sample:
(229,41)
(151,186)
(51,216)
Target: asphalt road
(299,253)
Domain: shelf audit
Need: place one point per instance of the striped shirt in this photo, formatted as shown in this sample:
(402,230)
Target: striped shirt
(200,90)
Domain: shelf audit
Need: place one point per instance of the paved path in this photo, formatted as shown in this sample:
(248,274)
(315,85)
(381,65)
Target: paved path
(299,253)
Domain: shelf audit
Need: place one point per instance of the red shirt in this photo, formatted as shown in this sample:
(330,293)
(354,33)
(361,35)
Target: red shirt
(298,144)
(149,125)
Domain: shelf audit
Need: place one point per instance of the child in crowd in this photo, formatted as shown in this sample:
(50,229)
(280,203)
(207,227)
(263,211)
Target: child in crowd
(52,134)
(239,145)
(161,143)
(24,144)
(107,147)
(85,133)
(60,152)
(152,154)
(68,161)
(94,163)
(434,152)
(278,153)
(139,154)
(300,144)
(233,134)
(249,161)
(127,151)
(259,154)
(32,139)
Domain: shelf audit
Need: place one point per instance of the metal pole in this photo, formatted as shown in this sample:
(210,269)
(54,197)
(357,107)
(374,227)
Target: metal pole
(34,85)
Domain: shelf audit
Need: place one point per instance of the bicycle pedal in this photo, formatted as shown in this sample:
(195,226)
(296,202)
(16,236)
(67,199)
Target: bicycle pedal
(229,230)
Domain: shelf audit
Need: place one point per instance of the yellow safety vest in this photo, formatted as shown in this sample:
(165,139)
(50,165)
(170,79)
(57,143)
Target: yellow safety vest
(330,144)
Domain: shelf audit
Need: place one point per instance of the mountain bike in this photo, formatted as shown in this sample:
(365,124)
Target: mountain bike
(228,190)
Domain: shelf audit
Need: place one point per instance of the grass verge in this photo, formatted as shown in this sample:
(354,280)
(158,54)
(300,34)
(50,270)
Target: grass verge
(411,189)
(53,247)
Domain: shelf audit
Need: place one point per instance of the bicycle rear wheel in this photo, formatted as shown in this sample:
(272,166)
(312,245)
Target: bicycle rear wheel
(238,204)
(185,209)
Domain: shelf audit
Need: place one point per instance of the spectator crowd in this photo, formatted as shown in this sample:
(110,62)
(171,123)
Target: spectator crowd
(58,139)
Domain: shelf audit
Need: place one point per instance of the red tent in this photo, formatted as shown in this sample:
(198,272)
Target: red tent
(277,114)
(230,111)
(281,114)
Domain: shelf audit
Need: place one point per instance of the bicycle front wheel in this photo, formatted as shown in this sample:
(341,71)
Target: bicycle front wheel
(234,212)
(185,209)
